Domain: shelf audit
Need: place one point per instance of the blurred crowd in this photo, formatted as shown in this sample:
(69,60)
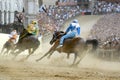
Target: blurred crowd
(103,7)
(53,17)
(106,27)
(59,14)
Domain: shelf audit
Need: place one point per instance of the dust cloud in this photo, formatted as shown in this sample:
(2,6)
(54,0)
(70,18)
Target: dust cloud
(58,66)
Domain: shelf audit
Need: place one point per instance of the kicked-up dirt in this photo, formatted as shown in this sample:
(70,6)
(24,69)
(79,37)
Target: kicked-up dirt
(58,66)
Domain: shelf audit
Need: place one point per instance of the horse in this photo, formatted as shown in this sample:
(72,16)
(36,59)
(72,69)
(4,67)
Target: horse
(8,46)
(30,43)
(76,46)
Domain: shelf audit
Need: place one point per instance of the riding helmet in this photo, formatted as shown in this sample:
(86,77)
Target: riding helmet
(75,21)
(34,22)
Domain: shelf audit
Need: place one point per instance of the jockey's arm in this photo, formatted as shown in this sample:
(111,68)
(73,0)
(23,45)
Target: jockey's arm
(29,27)
(36,32)
(68,29)
(78,30)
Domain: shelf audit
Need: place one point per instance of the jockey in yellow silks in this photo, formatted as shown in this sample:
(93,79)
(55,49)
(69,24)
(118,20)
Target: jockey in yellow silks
(32,29)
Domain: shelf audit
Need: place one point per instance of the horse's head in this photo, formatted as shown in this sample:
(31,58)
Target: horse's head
(56,36)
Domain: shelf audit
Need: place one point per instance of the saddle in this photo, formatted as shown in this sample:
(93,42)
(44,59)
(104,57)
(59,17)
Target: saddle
(29,38)
(23,35)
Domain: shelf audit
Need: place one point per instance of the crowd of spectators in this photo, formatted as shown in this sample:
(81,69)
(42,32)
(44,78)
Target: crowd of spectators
(59,14)
(107,26)
(53,17)
(103,7)
(46,24)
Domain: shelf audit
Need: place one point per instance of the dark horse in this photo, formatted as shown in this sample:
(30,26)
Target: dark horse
(8,46)
(76,45)
(29,43)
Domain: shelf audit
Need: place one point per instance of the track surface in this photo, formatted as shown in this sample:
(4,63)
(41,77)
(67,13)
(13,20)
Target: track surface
(57,67)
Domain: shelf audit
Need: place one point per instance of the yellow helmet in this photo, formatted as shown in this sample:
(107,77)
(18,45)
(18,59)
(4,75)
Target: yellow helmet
(34,22)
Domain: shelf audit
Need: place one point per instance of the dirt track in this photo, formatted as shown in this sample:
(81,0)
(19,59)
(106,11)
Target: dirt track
(57,68)
(14,70)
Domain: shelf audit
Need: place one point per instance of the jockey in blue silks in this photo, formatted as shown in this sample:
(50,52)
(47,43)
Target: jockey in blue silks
(72,31)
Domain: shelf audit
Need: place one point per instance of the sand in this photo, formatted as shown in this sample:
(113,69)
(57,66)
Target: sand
(58,66)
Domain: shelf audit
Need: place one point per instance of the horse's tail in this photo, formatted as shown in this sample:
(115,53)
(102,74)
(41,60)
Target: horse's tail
(94,43)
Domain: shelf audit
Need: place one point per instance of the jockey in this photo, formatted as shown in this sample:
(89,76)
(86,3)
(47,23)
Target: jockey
(32,29)
(72,31)
(13,36)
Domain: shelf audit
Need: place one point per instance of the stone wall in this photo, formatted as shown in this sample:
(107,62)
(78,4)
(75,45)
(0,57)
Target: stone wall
(7,10)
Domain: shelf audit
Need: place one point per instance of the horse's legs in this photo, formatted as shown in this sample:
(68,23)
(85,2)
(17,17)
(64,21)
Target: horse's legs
(30,53)
(79,60)
(2,50)
(7,51)
(13,50)
(49,52)
(75,57)
(68,55)
(17,53)
(81,57)
(52,49)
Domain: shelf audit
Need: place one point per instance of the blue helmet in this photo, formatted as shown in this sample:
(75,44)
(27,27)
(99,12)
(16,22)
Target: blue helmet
(75,21)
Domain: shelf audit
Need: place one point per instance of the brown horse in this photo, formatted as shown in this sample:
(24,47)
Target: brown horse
(76,45)
(29,43)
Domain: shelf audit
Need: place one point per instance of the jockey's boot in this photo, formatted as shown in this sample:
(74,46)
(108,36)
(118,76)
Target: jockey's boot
(59,46)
